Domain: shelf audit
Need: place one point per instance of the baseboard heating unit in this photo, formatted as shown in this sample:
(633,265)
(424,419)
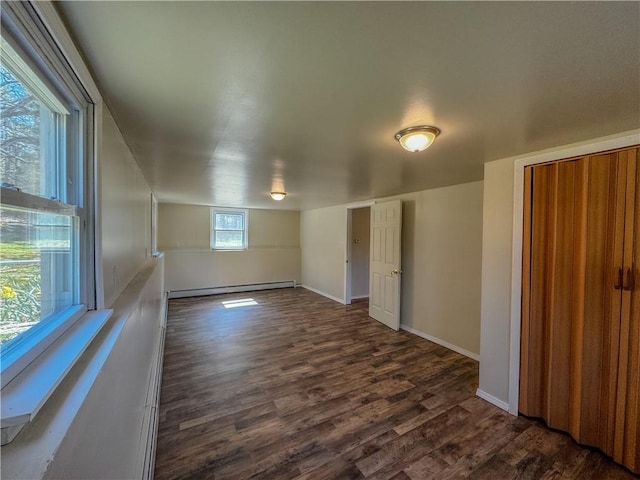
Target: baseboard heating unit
(198,292)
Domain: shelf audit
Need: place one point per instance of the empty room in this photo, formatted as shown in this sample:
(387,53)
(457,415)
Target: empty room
(319,240)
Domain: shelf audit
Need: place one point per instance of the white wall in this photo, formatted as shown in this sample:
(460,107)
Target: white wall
(273,254)
(441,260)
(323,237)
(442,247)
(496,278)
(125,200)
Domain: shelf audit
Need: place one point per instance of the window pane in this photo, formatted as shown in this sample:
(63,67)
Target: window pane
(229,239)
(229,221)
(29,141)
(37,258)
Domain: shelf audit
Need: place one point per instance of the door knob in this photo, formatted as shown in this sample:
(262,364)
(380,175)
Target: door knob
(396,272)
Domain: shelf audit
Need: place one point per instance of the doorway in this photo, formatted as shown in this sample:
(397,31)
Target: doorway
(358,246)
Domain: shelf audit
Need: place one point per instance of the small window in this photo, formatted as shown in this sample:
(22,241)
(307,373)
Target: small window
(228,229)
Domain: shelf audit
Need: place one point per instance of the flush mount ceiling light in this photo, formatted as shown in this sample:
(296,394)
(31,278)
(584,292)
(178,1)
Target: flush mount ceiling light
(417,139)
(278,195)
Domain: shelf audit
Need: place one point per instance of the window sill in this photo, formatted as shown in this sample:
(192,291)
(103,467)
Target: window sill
(25,395)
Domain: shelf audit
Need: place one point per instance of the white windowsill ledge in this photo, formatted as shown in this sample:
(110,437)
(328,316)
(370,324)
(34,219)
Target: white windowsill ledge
(25,395)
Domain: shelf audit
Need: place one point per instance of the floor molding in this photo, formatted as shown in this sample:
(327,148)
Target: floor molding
(493,400)
(442,343)
(319,292)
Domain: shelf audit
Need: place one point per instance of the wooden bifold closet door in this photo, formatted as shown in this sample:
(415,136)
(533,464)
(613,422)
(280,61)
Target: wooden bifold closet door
(580,343)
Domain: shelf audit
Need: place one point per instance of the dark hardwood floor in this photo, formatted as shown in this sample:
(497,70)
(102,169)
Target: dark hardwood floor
(293,385)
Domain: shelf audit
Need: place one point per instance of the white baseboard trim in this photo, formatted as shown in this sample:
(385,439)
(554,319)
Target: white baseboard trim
(358,297)
(442,343)
(199,292)
(335,299)
(493,400)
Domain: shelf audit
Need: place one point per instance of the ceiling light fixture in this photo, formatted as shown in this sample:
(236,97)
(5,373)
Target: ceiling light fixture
(417,139)
(278,195)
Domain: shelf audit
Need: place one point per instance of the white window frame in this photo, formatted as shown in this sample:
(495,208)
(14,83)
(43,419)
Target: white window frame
(26,35)
(212,229)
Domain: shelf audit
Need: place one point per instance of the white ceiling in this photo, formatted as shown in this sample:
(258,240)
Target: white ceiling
(222,102)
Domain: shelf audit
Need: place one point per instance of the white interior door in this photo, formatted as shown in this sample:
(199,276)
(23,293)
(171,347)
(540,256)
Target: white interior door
(384,276)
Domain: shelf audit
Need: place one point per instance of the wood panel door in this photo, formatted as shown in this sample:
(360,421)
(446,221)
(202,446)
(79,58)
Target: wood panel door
(579,344)
(384,269)
(566,306)
(626,442)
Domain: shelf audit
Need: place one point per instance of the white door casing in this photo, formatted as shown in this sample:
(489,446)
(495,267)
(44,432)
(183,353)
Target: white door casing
(384,276)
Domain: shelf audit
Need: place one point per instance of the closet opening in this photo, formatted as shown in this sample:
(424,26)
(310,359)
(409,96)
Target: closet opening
(357,255)
(580,307)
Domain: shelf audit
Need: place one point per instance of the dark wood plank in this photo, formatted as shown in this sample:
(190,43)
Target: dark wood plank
(298,386)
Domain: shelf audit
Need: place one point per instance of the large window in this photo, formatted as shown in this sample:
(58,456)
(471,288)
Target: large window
(228,229)
(45,243)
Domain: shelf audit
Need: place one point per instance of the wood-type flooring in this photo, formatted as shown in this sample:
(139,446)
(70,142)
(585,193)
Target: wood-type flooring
(288,384)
